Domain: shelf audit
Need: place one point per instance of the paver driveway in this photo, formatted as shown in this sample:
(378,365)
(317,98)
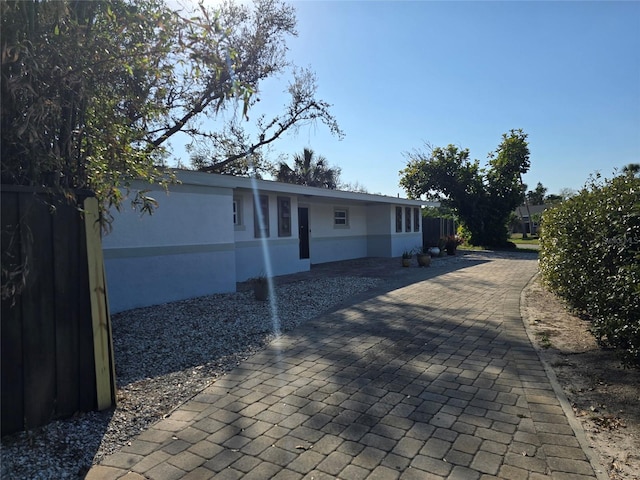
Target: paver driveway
(435,379)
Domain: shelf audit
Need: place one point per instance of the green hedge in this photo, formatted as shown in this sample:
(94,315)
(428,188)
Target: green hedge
(590,257)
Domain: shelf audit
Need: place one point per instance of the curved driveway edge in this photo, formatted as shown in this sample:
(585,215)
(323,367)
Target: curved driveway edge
(580,434)
(434,379)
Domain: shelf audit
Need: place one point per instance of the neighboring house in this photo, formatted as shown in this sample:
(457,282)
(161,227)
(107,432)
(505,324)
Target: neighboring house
(206,235)
(523,216)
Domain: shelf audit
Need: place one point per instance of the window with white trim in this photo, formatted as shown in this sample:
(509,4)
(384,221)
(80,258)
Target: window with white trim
(416,220)
(398,219)
(341,217)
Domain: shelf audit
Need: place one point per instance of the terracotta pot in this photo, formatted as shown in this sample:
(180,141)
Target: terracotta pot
(424,260)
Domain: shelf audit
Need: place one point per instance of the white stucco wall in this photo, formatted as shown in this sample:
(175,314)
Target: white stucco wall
(331,243)
(173,222)
(185,249)
(403,241)
(190,246)
(273,255)
(383,240)
(378,231)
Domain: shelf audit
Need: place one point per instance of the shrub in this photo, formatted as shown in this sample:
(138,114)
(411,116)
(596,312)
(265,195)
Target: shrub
(590,257)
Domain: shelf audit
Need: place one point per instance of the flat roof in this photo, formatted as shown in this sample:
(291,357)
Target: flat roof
(191,177)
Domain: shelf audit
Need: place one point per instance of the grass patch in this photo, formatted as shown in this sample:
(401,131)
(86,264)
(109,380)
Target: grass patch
(470,247)
(530,240)
(543,339)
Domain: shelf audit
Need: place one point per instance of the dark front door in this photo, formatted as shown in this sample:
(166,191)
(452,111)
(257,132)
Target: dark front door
(303,231)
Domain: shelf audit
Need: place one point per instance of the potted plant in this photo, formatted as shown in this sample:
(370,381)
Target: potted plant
(451,244)
(260,287)
(406,258)
(423,256)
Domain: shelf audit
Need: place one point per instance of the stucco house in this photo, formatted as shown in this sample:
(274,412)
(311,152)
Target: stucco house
(207,234)
(531,225)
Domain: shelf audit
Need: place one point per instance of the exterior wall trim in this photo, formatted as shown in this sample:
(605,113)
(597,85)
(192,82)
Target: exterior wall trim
(136,252)
(270,240)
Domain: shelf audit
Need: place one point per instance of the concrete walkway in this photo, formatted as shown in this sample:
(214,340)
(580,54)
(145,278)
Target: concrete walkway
(434,379)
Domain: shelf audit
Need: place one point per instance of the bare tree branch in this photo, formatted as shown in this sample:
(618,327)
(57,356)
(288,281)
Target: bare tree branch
(302,109)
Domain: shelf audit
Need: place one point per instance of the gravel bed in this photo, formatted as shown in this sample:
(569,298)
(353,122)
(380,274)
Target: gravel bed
(168,353)
(165,355)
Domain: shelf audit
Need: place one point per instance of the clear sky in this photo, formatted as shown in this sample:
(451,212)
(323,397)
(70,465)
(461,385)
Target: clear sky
(403,73)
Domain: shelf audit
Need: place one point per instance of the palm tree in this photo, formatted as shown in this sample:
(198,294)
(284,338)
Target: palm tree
(631,169)
(310,171)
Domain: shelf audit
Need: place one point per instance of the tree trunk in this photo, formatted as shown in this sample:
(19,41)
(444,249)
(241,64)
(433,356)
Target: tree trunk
(526,203)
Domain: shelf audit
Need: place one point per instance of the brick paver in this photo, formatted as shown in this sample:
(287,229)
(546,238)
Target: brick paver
(431,376)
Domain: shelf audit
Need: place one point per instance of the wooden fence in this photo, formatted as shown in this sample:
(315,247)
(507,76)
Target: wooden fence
(435,228)
(56,340)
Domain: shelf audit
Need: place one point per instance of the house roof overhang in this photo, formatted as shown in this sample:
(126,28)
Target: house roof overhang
(190,177)
(522,210)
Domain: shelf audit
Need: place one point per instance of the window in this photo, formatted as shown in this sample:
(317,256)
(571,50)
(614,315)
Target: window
(398,219)
(284,216)
(340,217)
(416,219)
(261,216)
(237,211)
(407,219)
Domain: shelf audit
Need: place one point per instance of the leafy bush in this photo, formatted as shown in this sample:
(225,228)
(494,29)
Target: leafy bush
(590,257)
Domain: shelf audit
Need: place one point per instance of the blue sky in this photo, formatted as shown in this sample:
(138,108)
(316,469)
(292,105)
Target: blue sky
(400,74)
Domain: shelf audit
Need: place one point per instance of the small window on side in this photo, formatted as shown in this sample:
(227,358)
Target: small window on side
(341,217)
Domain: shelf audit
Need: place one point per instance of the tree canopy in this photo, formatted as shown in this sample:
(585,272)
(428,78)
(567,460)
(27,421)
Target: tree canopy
(538,195)
(483,198)
(631,168)
(93,91)
(310,170)
(233,150)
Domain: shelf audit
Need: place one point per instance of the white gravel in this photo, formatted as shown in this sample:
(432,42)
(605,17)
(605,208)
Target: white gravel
(164,355)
